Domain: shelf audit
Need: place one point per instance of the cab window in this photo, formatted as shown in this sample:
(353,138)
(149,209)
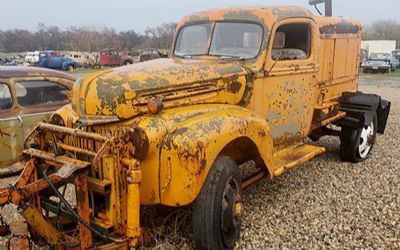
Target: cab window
(33,93)
(292,42)
(5,97)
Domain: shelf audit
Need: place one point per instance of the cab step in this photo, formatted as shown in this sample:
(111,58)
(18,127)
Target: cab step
(295,155)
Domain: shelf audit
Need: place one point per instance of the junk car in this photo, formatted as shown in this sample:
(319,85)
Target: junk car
(54,60)
(28,95)
(380,62)
(111,57)
(150,54)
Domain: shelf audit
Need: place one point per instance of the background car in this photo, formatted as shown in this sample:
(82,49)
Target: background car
(396,55)
(380,62)
(28,95)
(9,60)
(82,59)
(111,57)
(32,57)
(54,60)
(150,54)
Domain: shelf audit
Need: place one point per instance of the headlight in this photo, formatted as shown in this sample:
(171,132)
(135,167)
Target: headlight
(56,119)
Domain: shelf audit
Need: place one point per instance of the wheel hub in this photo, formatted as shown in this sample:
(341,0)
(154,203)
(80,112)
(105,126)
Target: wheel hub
(366,140)
(231,212)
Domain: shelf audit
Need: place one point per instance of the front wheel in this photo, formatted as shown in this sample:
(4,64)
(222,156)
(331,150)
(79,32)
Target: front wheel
(356,144)
(217,210)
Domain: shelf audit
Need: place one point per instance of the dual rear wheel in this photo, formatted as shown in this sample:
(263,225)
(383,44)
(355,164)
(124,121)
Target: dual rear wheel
(356,143)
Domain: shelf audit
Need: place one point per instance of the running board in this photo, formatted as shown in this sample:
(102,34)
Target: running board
(295,155)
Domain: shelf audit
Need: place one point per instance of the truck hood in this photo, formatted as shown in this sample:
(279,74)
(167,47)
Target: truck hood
(123,93)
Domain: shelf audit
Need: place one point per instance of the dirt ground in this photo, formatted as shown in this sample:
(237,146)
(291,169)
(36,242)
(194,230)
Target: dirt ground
(324,203)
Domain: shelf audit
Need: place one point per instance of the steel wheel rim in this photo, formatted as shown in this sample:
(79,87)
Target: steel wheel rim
(366,137)
(230,213)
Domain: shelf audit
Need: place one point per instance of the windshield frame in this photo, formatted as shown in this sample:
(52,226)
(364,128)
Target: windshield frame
(213,24)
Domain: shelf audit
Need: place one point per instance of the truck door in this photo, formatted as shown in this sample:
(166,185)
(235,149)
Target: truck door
(289,90)
(43,60)
(104,58)
(11,136)
(115,58)
(54,60)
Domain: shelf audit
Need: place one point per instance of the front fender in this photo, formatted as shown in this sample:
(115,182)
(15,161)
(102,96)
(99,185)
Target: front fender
(189,150)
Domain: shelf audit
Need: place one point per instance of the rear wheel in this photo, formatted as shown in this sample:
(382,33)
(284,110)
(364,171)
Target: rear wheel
(356,144)
(70,68)
(217,210)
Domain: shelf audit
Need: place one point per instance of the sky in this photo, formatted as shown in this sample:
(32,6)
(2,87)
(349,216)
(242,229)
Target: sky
(140,14)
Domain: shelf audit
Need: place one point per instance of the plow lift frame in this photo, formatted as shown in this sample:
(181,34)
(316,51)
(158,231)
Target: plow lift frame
(25,193)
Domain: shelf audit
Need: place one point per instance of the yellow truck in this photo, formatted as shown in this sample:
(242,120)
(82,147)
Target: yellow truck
(242,84)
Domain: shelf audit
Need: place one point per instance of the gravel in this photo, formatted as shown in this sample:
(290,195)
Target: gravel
(324,203)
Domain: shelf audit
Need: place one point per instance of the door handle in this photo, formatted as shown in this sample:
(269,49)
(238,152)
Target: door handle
(20,120)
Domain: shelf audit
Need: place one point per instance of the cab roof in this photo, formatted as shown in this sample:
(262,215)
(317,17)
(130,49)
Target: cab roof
(19,71)
(248,13)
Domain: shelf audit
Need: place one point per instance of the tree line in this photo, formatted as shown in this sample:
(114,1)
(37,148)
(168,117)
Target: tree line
(85,38)
(90,38)
(383,30)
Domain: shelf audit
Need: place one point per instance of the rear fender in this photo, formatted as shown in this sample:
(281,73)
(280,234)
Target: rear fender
(189,151)
(360,109)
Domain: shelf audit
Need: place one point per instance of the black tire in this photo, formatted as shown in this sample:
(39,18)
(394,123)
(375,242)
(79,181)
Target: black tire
(70,68)
(351,140)
(217,210)
(127,63)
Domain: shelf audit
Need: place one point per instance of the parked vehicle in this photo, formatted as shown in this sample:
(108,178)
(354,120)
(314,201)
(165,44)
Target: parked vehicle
(32,57)
(82,59)
(9,60)
(396,55)
(242,84)
(54,60)
(111,57)
(150,54)
(3,59)
(380,62)
(28,95)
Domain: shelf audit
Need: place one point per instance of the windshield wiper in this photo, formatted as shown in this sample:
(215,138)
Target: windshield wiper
(184,56)
(232,57)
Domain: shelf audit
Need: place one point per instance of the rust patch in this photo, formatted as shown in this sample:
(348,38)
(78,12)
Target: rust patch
(234,87)
(197,154)
(340,28)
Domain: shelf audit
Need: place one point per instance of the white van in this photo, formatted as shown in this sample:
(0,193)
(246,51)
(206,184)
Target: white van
(32,57)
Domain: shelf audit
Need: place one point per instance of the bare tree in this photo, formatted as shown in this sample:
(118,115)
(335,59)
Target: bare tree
(383,30)
(160,36)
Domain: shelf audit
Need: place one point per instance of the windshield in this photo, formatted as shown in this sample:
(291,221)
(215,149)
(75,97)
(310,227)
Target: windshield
(379,56)
(242,40)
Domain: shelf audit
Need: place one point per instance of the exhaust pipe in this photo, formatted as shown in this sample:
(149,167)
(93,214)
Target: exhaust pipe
(328,5)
